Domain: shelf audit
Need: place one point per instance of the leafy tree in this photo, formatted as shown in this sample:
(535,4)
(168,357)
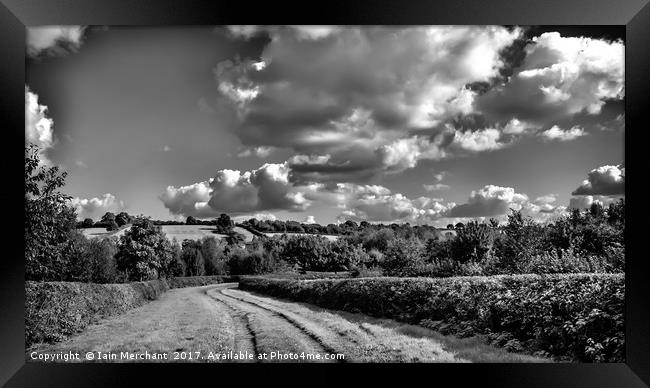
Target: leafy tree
(108,217)
(309,253)
(112,226)
(224,221)
(474,242)
(144,252)
(213,254)
(450,226)
(122,219)
(87,223)
(190,221)
(403,257)
(460,225)
(49,219)
(176,264)
(616,213)
(194,263)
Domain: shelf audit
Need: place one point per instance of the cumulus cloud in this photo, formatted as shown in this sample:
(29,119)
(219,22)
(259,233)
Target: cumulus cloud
(557,133)
(54,40)
(405,153)
(477,141)
(517,127)
(605,180)
(585,201)
(231,191)
(95,208)
(191,200)
(489,201)
(559,77)
(38,126)
(362,91)
(309,220)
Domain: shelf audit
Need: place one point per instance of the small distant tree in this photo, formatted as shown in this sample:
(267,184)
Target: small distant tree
(450,226)
(190,221)
(460,225)
(87,223)
(112,226)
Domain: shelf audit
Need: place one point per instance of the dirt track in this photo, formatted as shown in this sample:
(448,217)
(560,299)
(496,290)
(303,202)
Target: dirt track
(206,324)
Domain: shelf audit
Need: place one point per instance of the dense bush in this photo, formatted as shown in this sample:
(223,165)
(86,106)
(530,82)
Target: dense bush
(55,310)
(314,253)
(144,253)
(574,317)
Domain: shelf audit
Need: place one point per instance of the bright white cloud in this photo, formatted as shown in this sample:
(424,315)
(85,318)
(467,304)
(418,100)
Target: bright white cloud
(231,191)
(559,77)
(55,40)
(38,127)
(490,201)
(95,208)
(405,153)
(191,200)
(477,141)
(557,133)
(605,180)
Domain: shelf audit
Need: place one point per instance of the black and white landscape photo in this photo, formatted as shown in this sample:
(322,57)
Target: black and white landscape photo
(261,194)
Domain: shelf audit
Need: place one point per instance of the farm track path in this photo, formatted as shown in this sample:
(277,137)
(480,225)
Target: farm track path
(223,321)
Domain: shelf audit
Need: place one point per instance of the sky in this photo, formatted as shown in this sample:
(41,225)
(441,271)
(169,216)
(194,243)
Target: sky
(420,124)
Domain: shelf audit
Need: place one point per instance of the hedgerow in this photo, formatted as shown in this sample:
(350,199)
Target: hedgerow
(568,316)
(55,310)
(196,281)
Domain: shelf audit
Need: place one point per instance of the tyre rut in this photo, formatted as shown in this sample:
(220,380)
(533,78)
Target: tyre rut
(278,314)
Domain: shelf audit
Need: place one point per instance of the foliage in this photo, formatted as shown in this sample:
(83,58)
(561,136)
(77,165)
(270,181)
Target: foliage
(49,219)
(193,258)
(55,310)
(144,253)
(403,257)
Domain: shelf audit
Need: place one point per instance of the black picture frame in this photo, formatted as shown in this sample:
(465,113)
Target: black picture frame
(15,15)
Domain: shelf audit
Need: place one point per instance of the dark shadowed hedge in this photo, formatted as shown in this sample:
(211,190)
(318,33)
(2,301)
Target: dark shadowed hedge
(55,310)
(196,281)
(569,316)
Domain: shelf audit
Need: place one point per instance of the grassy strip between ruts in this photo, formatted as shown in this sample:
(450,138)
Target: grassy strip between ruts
(572,317)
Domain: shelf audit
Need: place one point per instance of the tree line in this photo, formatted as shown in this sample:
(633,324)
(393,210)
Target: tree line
(584,241)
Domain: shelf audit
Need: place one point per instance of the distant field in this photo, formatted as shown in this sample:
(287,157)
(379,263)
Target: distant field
(102,232)
(192,232)
(327,236)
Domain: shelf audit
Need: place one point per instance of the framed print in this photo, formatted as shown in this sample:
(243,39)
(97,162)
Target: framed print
(400,189)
